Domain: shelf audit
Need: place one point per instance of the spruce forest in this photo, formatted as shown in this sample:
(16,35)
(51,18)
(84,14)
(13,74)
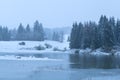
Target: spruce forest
(105,34)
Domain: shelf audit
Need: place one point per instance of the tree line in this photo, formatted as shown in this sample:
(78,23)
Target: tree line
(34,34)
(4,33)
(105,34)
(28,33)
(23,33)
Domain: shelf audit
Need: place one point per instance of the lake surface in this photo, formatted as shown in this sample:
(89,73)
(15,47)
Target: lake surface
(59,66)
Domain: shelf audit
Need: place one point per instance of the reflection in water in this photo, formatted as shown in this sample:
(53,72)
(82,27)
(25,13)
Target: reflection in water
(94,61)
(64,67)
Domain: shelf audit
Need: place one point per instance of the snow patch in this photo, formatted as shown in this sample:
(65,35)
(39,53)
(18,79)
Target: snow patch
(7,57)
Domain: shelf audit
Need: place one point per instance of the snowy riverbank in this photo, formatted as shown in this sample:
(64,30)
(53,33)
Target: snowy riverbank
(29,47)
(95,52)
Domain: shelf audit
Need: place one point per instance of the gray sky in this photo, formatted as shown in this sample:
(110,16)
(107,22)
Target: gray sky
(55,13)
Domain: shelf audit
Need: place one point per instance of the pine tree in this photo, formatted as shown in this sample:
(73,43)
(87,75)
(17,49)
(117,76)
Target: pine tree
(112,24)
(74,40)
(1,35)
(56,36)
(117,31)
(80,36)
(42,32)
(13,34)
(95,42)
(61,36)
(28,32)
(101,27)
(68,40)
(21,32)
(5,34)
(38,32)
(87,38)
(108,38)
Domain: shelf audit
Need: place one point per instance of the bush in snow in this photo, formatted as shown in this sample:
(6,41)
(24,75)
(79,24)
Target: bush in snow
(65,49)
(40,47)
(48,45)
(76,51)
(22,43)
(56,49)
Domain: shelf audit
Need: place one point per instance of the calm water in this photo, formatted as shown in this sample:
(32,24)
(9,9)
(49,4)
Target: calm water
(60,66)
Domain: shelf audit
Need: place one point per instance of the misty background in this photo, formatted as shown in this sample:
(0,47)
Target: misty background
(55,13)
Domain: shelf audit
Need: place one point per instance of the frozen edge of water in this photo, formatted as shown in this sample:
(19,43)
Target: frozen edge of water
(7,57)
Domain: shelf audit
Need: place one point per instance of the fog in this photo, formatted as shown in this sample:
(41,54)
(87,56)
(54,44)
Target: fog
(55,13)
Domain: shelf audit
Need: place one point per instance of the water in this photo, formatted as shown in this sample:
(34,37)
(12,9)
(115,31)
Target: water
(60,66)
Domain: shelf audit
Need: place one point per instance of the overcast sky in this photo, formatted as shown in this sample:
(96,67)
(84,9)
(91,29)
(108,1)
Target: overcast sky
(55,13)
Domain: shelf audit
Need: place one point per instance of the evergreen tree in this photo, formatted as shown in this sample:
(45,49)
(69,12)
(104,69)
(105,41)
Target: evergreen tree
(101,27)
(21,32)
(5,34)
(113,26)
(74,43)
(38,32)
(28,32)
(13,34)
(108,38)
(87,37)
(95,42)
(80,35)
(68,39)
(1,35)
(61,36)
(117,31)
(56,36)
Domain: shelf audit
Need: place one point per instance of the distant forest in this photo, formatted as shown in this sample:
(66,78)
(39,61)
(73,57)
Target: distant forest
(105,34)
(28,33)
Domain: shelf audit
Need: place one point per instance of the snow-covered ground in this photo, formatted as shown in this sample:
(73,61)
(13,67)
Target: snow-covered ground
(13,46)
(29,47)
